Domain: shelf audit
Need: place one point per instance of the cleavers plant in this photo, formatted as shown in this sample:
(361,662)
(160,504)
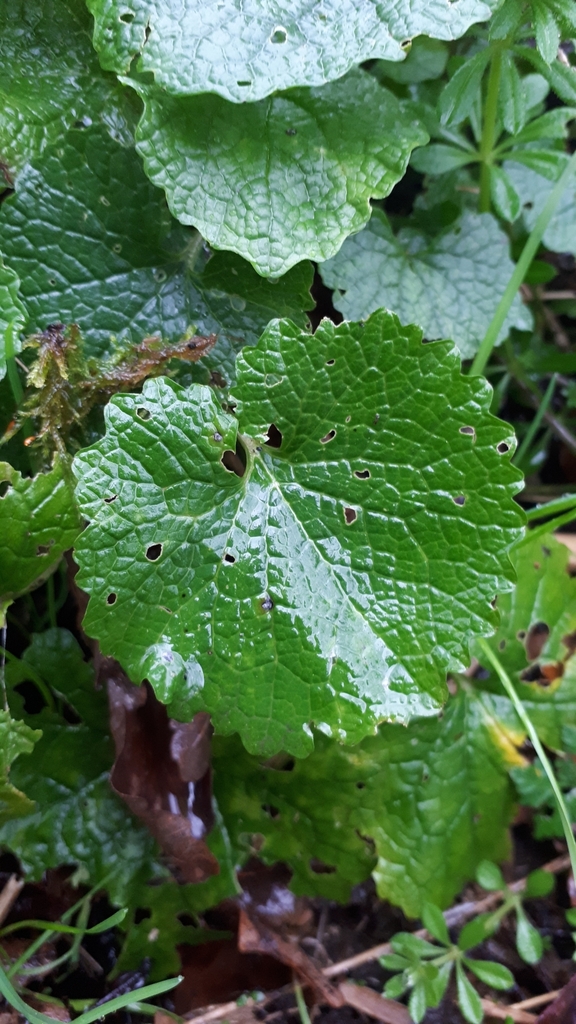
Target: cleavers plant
(304,534)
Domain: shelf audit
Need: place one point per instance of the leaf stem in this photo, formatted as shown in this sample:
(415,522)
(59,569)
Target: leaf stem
(534,426)
(521,268)
(10,354)
(527,723)
(301,1004)
(489,127)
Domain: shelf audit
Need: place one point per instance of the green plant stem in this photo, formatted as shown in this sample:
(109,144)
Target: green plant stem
(50,599)
(521,268)
(535,425)
(553,524)
(552,508)
(301,1004)
(489,127)
(535,740)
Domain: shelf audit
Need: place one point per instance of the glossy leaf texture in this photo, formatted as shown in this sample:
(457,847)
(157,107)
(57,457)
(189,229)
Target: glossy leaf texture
(16,738)
(281,180)
(337,579)
(534,189)
(130,270)
(77,819)
(419,806)
(50,78)
(450,284)
(536,640)
(38,522)
(12,309)
(245,51)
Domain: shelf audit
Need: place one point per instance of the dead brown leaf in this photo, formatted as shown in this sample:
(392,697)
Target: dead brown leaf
(162,772)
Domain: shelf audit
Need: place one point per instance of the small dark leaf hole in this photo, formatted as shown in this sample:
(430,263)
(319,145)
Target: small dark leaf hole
(502,448)
(153,552)
(274,438)
(468,430)
(110,499)
(127,17)
(328,437)
(229,558)
(350,515)
(271,811)
(43,549)
(142,413)
(535,640)
(459,500)
(330,362)
(111,599)
(235,462)
(320,868)
(362,474)
(267,604)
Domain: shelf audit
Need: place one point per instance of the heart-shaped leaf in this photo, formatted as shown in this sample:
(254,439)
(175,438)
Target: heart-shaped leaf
(284,179)
(336,577)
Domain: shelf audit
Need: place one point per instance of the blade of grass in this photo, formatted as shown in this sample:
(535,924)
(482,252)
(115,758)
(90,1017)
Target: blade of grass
(551,508)
(35,1017)
(67,929)
(528,253)
(301,1004)
(535,740)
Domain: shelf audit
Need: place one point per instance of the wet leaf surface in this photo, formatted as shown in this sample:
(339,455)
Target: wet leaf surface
(301,590)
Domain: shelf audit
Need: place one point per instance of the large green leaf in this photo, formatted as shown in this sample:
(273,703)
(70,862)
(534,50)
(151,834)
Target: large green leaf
(247,50)
(434,799)
(50,78)
(450,284)
(338,578)
(15,738)
(534,189)
(280,180)
(132,270)
(38,521)
(12,309)
(77,818)
(536,640)
(303,813)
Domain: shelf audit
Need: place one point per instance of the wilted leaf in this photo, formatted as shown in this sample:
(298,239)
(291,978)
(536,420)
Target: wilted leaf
(38,521)
(244,51)
(50,78)
(15,738)
(133,271)
(162,772)
(341,573)
(449,284)
(534,189)
(77,819)
(281,180)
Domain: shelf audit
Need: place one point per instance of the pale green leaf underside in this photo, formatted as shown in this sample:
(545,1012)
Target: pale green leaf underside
(534,189)
(543,604)
(246,49)
(38,522)
(12,309)
(132,271)
(281,180)
(450,285)
(434,798)
(336,580)
(49,78)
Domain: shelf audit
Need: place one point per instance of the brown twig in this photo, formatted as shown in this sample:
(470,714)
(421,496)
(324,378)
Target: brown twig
(500,1012)
(541,1000)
